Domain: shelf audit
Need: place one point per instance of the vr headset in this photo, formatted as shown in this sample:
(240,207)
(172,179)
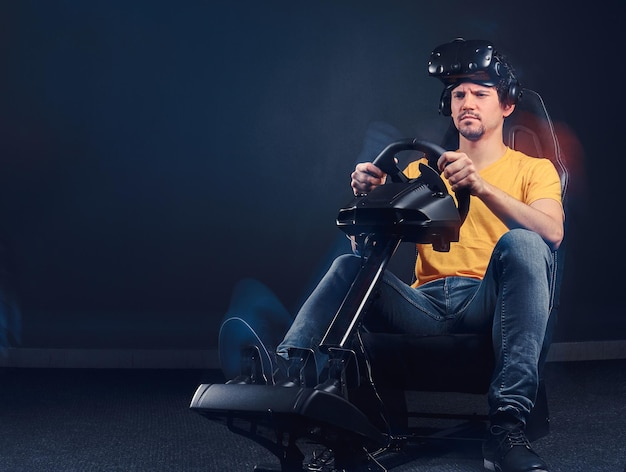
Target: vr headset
(470,61)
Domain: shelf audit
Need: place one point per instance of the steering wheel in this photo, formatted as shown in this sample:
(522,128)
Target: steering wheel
(385,161)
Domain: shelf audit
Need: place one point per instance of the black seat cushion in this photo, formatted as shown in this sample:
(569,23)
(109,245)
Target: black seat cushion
(445,363)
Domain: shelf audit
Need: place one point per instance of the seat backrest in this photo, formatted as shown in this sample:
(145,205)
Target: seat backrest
(530,129)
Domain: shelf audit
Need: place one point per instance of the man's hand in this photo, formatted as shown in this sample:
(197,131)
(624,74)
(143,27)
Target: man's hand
(460,172)
(366,177)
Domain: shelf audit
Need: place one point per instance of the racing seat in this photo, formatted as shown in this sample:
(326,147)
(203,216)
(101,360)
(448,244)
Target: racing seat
(464,363)
(344,418)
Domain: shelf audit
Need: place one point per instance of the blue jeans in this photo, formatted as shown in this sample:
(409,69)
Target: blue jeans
(512,302)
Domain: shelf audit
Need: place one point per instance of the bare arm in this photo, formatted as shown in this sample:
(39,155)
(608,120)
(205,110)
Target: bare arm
(544,216)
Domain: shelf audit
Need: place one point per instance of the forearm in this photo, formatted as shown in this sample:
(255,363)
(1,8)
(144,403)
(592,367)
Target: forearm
(544,217)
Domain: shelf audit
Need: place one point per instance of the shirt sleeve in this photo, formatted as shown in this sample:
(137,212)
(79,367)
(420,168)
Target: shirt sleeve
(542,182)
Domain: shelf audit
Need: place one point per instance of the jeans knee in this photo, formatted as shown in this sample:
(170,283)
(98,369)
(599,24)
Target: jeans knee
(346,266)
(519,236)
(524,248)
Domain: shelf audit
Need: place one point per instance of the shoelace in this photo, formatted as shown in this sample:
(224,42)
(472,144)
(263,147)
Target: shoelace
(515,437)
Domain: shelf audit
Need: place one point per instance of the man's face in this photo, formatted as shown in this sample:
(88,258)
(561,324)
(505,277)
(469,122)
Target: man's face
(476,110)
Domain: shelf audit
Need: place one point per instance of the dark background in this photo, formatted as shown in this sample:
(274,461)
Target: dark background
(153,153)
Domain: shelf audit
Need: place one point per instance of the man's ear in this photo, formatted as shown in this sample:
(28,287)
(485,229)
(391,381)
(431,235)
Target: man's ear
(508,109)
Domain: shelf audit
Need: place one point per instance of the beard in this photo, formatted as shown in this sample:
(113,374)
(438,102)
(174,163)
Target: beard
(472,132)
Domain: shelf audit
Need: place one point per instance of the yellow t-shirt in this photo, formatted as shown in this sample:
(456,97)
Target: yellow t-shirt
(525,178)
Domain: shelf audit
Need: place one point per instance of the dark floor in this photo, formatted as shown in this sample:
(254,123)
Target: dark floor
(139,420)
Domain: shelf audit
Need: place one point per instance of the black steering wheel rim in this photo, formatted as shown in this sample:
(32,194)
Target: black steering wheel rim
(386,162)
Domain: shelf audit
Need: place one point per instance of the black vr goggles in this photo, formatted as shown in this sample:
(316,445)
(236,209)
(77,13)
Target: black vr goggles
(470,61)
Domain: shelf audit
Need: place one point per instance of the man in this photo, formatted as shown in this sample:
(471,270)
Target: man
(497,278)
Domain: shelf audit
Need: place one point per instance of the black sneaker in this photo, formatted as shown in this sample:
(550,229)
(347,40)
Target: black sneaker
(508,450)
